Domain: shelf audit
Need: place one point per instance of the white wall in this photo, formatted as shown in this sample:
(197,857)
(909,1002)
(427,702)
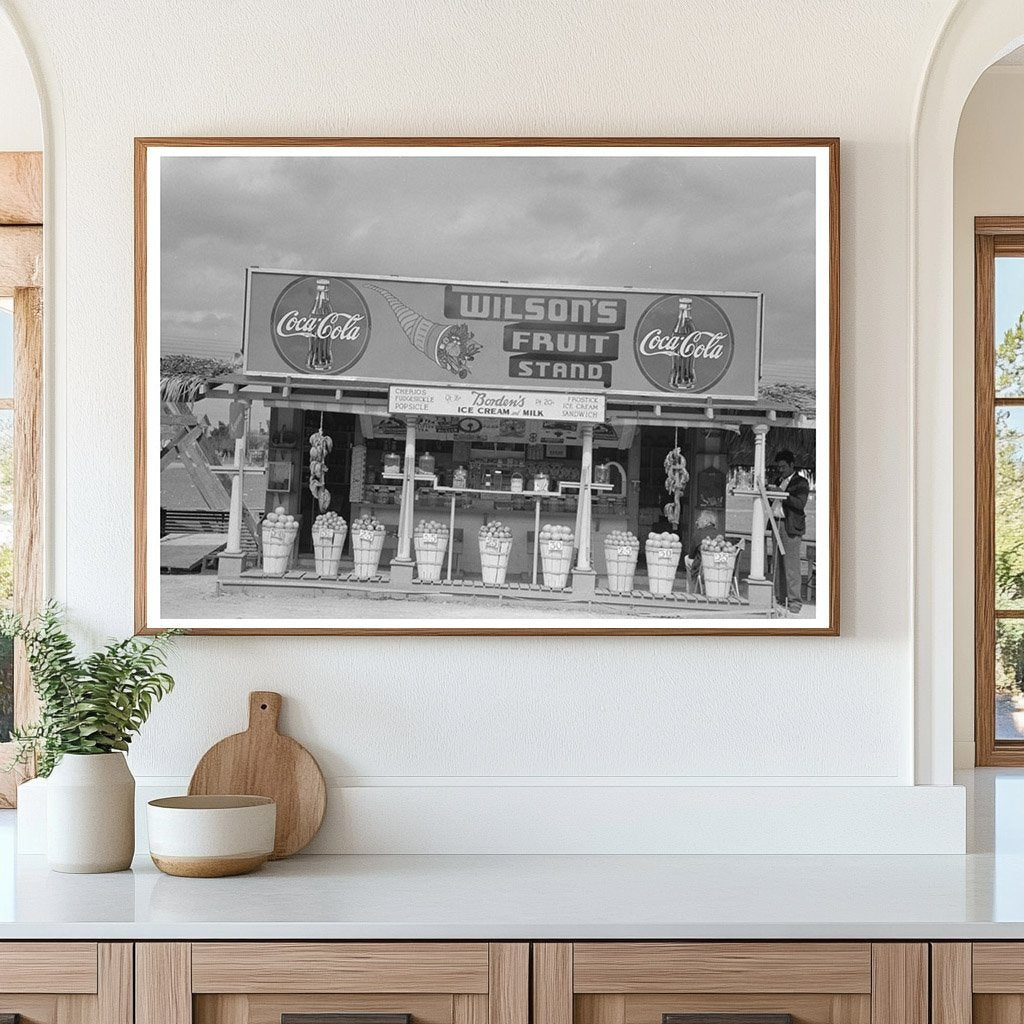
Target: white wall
(21,127)
(988,181)
(430,716)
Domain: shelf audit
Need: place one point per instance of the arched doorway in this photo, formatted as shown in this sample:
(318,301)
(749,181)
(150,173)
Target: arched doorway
(976,34)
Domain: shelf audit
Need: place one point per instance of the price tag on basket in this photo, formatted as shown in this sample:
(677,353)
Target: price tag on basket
(666,554)
(721,558)
(492,546)
(554,545)
(624,552)
(429,538)
(366,535)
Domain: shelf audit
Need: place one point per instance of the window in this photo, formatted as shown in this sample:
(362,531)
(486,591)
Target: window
(999,490)
(21,365)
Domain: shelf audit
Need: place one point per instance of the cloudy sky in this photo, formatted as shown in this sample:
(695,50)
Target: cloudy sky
(696,223)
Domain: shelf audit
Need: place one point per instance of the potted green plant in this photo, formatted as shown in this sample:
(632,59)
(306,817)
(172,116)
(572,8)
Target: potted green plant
(90,708)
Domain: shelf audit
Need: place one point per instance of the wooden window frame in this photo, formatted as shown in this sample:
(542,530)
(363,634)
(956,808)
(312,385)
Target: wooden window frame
(21,271)
(993,237)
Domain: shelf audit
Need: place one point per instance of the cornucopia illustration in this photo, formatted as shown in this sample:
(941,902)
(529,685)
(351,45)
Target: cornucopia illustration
(450,346)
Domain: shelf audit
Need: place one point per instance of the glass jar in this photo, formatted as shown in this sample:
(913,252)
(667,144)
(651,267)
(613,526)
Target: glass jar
(540,482)
(516,483)
(426,464)
(487,480)
(602,473)
(460,478)
(498,480)
(392,463)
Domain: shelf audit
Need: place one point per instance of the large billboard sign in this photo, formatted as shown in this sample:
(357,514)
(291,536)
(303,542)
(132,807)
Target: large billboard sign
(391,330)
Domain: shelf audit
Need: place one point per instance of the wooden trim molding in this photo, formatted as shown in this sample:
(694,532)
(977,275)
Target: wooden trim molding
(899,983)
(508,983)
(28,479)
(951,983)
(163,983)
(115,983)
(21,269)
(21,188)
(21,258)
(28,506)
(552,983)
(984,501)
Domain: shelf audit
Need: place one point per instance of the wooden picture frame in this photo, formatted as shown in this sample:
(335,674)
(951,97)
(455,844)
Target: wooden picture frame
(311,389)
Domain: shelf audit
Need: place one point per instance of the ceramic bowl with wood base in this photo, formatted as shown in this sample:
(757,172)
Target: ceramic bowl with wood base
(211,836)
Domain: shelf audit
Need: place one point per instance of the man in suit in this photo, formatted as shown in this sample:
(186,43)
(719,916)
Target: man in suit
(792,525)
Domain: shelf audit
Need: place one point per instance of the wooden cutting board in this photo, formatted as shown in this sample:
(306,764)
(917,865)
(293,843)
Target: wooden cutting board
(262,762)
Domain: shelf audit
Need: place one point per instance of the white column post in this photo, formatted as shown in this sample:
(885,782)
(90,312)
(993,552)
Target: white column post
(757,519)
(234,544)
(583,512)
(406,513)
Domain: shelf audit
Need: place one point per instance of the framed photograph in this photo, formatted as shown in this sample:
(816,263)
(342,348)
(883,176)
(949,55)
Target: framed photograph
(542,386)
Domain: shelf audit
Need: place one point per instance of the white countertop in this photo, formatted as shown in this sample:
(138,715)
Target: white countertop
(978,896)
(517,897)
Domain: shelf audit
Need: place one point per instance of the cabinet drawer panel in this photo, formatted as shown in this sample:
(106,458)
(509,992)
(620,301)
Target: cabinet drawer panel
(62,967)
(339,967)
(267,1009)
(998,967)
(634,967)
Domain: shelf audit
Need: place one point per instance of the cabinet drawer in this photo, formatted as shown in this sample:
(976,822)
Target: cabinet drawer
(730,983)
(981,982)
(332,983)
(634,967)
(66,982)
(64,967)
(340,967)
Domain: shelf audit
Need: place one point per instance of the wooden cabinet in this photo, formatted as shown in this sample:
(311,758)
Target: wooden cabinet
(751,982)
(311,982)
(66,982)
(494,983)
(978,983)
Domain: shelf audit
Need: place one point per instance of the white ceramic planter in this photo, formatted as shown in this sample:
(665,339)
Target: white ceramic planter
(90,814)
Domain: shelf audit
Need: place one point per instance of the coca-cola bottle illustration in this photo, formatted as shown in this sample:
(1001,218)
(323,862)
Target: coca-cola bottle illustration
(320,355)
(683,376)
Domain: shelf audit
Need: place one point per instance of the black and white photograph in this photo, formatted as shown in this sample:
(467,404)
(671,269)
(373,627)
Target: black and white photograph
(458,386)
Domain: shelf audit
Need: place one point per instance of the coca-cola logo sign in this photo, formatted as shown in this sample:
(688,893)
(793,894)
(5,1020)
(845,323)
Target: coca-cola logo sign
(683,344)
(320,325)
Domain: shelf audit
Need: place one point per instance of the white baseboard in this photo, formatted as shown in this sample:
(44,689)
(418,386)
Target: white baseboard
(572,819)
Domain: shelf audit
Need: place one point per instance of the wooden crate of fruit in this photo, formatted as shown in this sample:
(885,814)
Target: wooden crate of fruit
(621,551)
(663,553)
(717,564)
(556,555)
(431,542)
(367,544)
(495,548)
(279,533)
(329,533)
